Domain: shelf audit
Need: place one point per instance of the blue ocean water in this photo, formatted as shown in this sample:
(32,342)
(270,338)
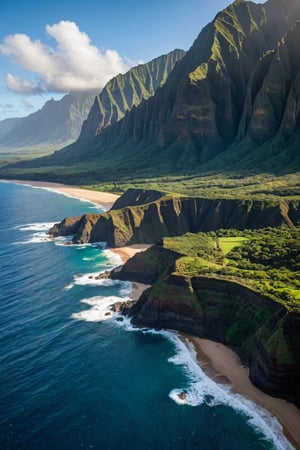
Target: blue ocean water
(72,377)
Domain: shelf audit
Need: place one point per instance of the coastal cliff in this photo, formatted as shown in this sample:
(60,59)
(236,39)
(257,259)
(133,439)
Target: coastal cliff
(173,215)
(260,330)
(193,292)
(226,270)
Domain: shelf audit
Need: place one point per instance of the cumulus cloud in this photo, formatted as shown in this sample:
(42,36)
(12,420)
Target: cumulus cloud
(74,64)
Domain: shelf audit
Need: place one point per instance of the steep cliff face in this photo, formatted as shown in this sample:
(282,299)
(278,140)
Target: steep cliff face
(262,331)
(202,109)
(174,216)
(146,267)
(120,95)
(231,101)
(125,91)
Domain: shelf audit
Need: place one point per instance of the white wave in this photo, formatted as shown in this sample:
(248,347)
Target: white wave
(97,207)
(101,309)
(36,238)
(39,226)
(126,288)
(62,241)
(125,322)
(202,389)
(68,286)
(90,279)
(114,259)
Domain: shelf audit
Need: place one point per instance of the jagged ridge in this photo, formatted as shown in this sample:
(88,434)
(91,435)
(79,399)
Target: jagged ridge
(208,113)
(125,91)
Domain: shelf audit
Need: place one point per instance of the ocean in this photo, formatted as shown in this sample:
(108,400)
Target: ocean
(72,377)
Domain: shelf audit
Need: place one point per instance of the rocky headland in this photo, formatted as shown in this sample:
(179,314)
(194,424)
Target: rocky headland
(192,288)
(173,215)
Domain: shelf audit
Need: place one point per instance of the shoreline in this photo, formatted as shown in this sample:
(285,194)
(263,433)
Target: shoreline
(130,250)
(100,198)
(218,361)
(126,253)
(223,365)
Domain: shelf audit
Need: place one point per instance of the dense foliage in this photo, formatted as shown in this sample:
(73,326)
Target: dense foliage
(267,260)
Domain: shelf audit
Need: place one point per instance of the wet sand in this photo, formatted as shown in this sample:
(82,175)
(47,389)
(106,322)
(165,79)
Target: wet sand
(224,366)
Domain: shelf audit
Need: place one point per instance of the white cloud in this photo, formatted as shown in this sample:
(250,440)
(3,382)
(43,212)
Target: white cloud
(19,86)
(74,64)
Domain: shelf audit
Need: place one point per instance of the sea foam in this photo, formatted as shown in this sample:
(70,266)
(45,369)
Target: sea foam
(43,226)
(202,389)
(101,308)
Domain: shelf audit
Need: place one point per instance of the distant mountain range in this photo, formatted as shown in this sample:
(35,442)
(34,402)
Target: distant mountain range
(57,123)
(231,103)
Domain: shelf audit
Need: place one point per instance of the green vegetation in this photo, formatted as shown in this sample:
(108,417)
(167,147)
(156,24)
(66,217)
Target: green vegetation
(217,185)
(196,127)
(226,244)
(266,260)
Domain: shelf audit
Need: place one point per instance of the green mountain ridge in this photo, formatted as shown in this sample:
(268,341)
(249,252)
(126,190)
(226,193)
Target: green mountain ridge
(120,95)
(217,111)
(125,91)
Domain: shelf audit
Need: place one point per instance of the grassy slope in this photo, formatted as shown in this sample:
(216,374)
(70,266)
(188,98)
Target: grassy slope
(265,260)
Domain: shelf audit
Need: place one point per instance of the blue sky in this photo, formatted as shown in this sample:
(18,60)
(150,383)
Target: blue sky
(48,48)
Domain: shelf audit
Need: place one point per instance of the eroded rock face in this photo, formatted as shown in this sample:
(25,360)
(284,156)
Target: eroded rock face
(174,216)
(263,332)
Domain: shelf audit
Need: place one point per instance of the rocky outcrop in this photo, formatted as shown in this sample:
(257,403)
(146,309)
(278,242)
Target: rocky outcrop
(261,330)
(173,216)
(146,267)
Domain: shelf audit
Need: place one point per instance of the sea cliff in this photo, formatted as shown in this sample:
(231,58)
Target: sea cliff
(173,215)
(260,330)
(235,287)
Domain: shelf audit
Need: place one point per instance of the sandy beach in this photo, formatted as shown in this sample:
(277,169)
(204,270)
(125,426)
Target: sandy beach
(218,361)
(125,253)
(104,199)
(129,251)
(224,366)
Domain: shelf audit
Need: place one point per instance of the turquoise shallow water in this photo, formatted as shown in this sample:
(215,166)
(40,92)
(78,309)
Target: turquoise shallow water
(70,378)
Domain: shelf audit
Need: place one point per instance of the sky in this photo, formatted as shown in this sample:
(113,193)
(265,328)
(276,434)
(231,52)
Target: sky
(51,47)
